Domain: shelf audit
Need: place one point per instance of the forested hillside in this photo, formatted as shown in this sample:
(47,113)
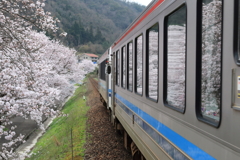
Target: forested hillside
(92,25)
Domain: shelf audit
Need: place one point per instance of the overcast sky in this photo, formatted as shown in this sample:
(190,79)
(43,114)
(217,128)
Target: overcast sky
(143,2)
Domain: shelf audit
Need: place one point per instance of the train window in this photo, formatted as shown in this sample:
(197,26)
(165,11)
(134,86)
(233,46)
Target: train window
(123,66)
(102,70)
(139,65)
(109,70)
(175,58)
(130,66)
(209,62)
(117,67)
(114,63)
(152,62)
(237,32)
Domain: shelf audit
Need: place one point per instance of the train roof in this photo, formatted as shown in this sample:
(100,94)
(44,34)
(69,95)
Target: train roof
(148,10)
(103,57)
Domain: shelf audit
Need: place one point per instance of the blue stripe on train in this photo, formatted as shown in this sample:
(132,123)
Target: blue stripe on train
(186,146)
(109,93)
(109,90)
(103,86)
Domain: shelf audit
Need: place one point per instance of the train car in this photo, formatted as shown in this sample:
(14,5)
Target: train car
(174,80)
(105,79)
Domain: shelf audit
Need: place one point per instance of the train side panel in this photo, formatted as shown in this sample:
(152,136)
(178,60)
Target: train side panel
(102,77)
(159,129)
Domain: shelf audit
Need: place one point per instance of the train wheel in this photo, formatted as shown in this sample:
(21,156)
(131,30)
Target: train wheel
(136,154)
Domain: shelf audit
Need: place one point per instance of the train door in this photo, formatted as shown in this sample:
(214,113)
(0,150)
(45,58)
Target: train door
(109,80)
(113,60)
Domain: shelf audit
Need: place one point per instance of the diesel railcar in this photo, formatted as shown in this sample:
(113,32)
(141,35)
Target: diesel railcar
(171,81)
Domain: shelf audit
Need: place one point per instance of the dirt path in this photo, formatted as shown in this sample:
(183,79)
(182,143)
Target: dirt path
(104,142)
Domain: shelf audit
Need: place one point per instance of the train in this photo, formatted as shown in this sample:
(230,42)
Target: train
(171,81)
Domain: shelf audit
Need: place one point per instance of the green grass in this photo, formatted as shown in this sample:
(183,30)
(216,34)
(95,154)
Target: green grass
(56,142)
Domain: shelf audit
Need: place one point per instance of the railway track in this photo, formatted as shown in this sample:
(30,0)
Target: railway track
(94,83)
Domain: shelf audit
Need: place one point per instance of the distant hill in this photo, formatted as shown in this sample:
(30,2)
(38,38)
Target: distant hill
(92,25)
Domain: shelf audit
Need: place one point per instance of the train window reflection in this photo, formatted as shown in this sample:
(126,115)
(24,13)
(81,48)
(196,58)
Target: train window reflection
(117,67)
(130,66)
(139,65)
(175,69)
(123,66)
(209,64)
(152,62)
(238,20)
(237,32)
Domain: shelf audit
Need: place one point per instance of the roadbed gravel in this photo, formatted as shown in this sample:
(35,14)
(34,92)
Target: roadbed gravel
(103,141)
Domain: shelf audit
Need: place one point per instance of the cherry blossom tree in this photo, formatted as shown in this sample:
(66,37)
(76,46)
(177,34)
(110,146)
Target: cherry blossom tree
(33,80)
(35,72)
(19,16)
(87,66)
